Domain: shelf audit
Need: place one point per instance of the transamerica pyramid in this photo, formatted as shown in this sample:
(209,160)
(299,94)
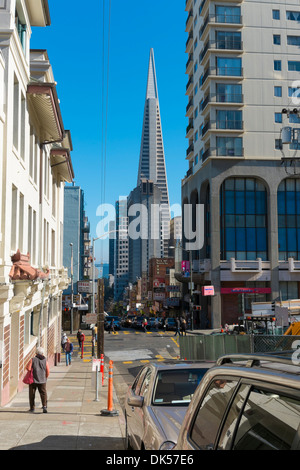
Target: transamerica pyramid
(152,157)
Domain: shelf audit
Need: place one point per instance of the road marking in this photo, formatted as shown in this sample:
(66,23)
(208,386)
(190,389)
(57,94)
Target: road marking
(175,342)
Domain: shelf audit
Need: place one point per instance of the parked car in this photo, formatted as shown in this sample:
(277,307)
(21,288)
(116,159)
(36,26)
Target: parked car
(156,403)
(171,324)
(107,322)
(251,402)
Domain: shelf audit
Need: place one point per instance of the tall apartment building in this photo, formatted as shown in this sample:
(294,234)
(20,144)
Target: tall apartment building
(35,162)
(121,249)
(243,59)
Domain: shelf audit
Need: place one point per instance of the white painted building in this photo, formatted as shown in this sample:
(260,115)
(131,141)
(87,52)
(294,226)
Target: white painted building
(34,165)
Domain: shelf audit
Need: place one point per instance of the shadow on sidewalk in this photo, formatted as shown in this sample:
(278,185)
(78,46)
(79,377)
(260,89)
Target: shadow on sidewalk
(74,443)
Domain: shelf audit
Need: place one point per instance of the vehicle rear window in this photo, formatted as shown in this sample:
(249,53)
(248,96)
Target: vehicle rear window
(210,414)
(176,387)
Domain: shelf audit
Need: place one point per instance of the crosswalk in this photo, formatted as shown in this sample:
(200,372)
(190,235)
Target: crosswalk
(89,348)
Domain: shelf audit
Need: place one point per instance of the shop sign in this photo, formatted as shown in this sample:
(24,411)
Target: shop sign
(246,290)
(208,290)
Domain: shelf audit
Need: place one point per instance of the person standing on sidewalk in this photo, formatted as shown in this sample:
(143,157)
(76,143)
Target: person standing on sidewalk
(40,368)
(79,335)
(68,351)
(183,327)
(112,327)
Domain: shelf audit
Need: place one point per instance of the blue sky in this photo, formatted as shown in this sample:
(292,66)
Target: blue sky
(74,44)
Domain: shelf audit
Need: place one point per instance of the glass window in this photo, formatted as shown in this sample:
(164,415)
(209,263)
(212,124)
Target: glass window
(176,387)
(288,206)
(276,14)
(270,421)
(229,66)
(293,15)
(277,65)
(229,146)
(229,93)
(228,14)
(276,39)
(244,234)
(228,40)
(278,91)
(293,66)
(293,40)
(278,117)
(210,414)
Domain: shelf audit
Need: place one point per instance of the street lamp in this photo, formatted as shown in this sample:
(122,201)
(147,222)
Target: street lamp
(71,319)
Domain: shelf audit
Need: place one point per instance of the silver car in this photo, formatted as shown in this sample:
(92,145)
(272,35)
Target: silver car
(157,401)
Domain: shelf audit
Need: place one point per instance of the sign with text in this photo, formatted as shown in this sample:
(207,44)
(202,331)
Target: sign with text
(208,290)
(246,290)
(84,286)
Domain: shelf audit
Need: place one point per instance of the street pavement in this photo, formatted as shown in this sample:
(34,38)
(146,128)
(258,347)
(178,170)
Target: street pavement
(74,420)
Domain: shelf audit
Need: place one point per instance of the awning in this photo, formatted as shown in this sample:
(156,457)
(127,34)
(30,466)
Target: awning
(38,11)
(61,161)
(44,106)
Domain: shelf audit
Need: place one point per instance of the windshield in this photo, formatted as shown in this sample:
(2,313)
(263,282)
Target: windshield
(176,387)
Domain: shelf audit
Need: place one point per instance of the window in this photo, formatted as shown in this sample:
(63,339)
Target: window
(288,290)
(293,66)
(294,92)
(293,15)
(229,66)
(228,40)
(270,421)
(243,211)
(211,411)
(16,114)
(293,41)
(288,202)
(276,14)
(277,65)
(278,91)
(229,146)
(278,117)
(276,39)
(229,93)
(278,144)
(229,119)
(228,14)
(14,207)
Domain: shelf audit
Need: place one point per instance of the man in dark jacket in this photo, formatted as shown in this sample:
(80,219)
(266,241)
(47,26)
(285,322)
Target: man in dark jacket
(40,368)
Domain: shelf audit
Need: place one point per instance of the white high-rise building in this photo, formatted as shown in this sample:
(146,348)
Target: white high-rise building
(242,69)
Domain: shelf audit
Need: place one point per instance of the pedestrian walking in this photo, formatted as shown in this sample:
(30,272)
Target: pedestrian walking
(156,324)
(79,336)
(183,327)
(145,324)
(69,351)
(177,325)
(40,369)
(95,332)
(112,327)
(63,341)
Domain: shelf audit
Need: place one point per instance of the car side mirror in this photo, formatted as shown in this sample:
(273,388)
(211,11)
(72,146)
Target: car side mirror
(136,400)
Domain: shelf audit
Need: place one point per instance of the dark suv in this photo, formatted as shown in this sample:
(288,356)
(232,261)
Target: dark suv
(245,402)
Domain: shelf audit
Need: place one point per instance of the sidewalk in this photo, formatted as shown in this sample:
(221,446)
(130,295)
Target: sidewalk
(73,421)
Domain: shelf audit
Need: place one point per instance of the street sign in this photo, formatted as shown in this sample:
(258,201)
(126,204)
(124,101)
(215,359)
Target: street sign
(84,286)
(96,364)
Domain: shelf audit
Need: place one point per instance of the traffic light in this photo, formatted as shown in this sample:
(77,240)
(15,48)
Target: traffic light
(273,306)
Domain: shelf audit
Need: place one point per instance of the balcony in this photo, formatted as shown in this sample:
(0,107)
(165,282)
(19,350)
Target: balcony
(226,98)
(189,43)
(222,152)
(190,130)
(224,72)
(204,4)
(233,45)
(220,20)
(190,108)
(189,65)
(223,125)
(189,86)
(190,150)
(189,22)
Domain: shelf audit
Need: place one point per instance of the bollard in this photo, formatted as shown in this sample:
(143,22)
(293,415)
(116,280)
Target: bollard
(102,368)
(110,411)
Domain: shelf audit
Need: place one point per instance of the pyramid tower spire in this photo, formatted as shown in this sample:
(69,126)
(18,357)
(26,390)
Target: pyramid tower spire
(152,157)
